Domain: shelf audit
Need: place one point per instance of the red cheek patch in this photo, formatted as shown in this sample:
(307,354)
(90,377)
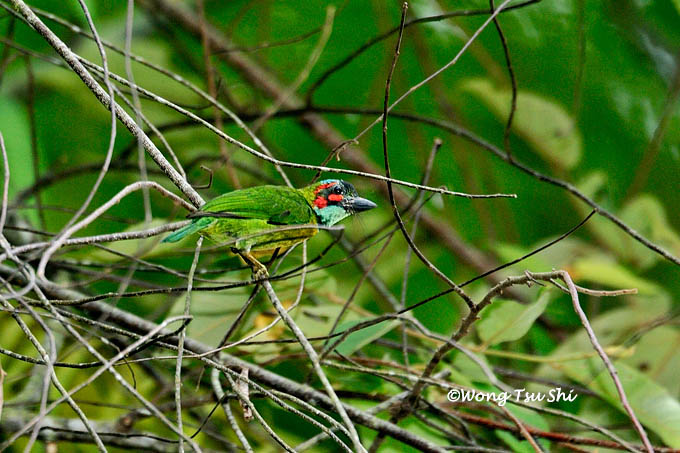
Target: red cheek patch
(335,197)
(320,202)
(323,186)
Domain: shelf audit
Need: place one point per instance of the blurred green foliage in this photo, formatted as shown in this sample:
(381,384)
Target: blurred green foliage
(594,79)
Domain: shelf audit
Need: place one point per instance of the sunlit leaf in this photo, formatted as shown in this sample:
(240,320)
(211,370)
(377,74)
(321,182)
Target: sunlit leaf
(611,328)
(509,252)
(604,271)
(468,371)
(357,340)
(212,313)
(647,216)
(652,404)
(656,356)
(542,122)
(593,186)
(507,320)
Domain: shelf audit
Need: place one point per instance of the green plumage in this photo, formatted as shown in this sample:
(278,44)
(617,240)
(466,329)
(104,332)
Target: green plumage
(193,227)
(247,219)
(265,217)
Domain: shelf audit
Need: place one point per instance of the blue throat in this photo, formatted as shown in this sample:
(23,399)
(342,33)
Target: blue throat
(330,215)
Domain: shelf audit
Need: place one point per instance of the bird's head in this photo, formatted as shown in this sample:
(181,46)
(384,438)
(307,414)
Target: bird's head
(334,199)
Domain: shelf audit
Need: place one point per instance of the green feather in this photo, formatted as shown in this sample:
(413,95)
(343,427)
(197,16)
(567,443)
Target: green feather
(278,204)
(256,218)
(185,231)
(252,216)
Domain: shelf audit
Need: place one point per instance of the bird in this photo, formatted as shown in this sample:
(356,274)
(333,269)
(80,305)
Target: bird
(267,218)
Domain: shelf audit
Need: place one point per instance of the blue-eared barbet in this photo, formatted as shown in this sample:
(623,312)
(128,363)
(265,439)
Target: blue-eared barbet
(266,218)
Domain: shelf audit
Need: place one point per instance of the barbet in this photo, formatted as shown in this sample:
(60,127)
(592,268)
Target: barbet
(266,218)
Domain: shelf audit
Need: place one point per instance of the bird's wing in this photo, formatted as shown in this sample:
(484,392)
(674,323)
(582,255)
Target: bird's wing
(278,205)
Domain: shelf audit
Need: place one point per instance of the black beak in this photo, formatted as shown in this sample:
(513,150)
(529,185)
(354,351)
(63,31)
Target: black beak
(359,204)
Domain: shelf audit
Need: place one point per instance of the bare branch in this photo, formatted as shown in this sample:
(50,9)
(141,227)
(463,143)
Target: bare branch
(73,61)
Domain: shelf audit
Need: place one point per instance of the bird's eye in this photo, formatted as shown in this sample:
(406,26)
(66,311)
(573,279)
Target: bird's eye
(337,190)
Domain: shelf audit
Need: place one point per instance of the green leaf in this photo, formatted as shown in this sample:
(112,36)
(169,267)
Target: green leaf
(507,320)
(510,252)
(520,446)
(656,356)
(600,269)
(357,340)
(316,321)
(445,31)
(612,328)
(516,445)
(542,122)
(593,185)
(652,404)
(466,372)
(529,418)
(646,215)
(212,313)
(15,130)
(557,256)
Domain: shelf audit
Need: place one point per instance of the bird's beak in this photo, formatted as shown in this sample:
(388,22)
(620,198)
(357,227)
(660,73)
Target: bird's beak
(359,204)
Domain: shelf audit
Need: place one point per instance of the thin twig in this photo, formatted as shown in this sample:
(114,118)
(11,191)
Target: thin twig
(55,380)
(414,229)
(573,292)
(420,20)
(35,153)
(395,209)
(314,56)
(522,429)
(219,393)
(513,83)
(72,60)
(5,184)
(77,62)
(321,129)
(427,79)
(141,161)
(212,90)
(314,358)
(57,243)
(180,343)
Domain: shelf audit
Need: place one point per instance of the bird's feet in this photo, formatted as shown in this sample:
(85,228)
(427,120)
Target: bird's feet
(259,272)
(259,269)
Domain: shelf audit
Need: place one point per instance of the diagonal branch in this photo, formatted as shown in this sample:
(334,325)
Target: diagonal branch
(72,60)
(314,358)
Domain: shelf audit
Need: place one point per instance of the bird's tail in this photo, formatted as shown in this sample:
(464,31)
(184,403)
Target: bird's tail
(185,231)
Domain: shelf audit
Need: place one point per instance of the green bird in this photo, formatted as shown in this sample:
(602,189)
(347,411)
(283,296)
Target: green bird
(266,218)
